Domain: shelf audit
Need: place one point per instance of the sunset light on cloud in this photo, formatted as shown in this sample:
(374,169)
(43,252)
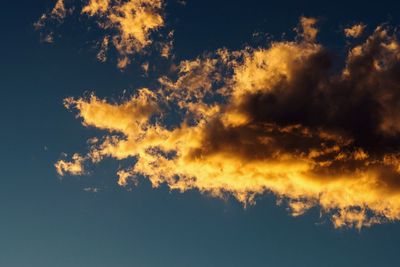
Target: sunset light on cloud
(188,133)
(127,24)
(272,119)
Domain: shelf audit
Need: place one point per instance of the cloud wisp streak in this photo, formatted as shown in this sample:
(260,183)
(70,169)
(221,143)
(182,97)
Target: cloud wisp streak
(281,119)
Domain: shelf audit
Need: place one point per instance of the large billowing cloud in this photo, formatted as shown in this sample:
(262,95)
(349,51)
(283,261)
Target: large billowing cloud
(285,119)
(127,24)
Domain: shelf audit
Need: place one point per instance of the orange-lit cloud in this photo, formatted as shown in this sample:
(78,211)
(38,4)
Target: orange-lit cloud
(74,167)
(94,7)
(279,119)
(57,14)
(355,31)
(307,29)
(127,24)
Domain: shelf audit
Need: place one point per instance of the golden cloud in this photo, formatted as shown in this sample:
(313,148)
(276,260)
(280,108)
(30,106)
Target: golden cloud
(94,7)
(278,119)
(355,31)
(57,14)
(74,167)
(128,24)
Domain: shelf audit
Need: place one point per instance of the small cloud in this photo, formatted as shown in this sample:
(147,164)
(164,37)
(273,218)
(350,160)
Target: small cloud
(307,29)
(73,167)
(355,31)
(92,189)
(127,25)
(145,67)
(57,14)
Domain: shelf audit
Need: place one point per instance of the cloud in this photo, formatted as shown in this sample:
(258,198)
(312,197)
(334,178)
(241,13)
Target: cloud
(281,119)
(92,189)
(74,167)
(307,29)
(127,24)
(94,7)
(355,31)
(56,15)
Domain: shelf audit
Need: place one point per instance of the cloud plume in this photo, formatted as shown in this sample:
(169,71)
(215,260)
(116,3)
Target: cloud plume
(282,119)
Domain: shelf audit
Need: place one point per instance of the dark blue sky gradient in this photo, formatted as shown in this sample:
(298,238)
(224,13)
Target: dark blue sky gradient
(47,222)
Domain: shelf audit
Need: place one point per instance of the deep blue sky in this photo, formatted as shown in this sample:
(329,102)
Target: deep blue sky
(47,222)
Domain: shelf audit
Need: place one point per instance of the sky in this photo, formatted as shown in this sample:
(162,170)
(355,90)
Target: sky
(199,133)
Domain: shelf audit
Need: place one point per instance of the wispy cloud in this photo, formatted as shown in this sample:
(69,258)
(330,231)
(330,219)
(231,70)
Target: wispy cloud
(57,15)
(127,24)
(92,189)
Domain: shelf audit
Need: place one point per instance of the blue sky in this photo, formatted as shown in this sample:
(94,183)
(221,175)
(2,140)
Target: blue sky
(49,221)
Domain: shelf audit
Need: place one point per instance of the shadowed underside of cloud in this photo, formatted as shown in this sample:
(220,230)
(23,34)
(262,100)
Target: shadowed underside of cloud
(281,119)
(126,24)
